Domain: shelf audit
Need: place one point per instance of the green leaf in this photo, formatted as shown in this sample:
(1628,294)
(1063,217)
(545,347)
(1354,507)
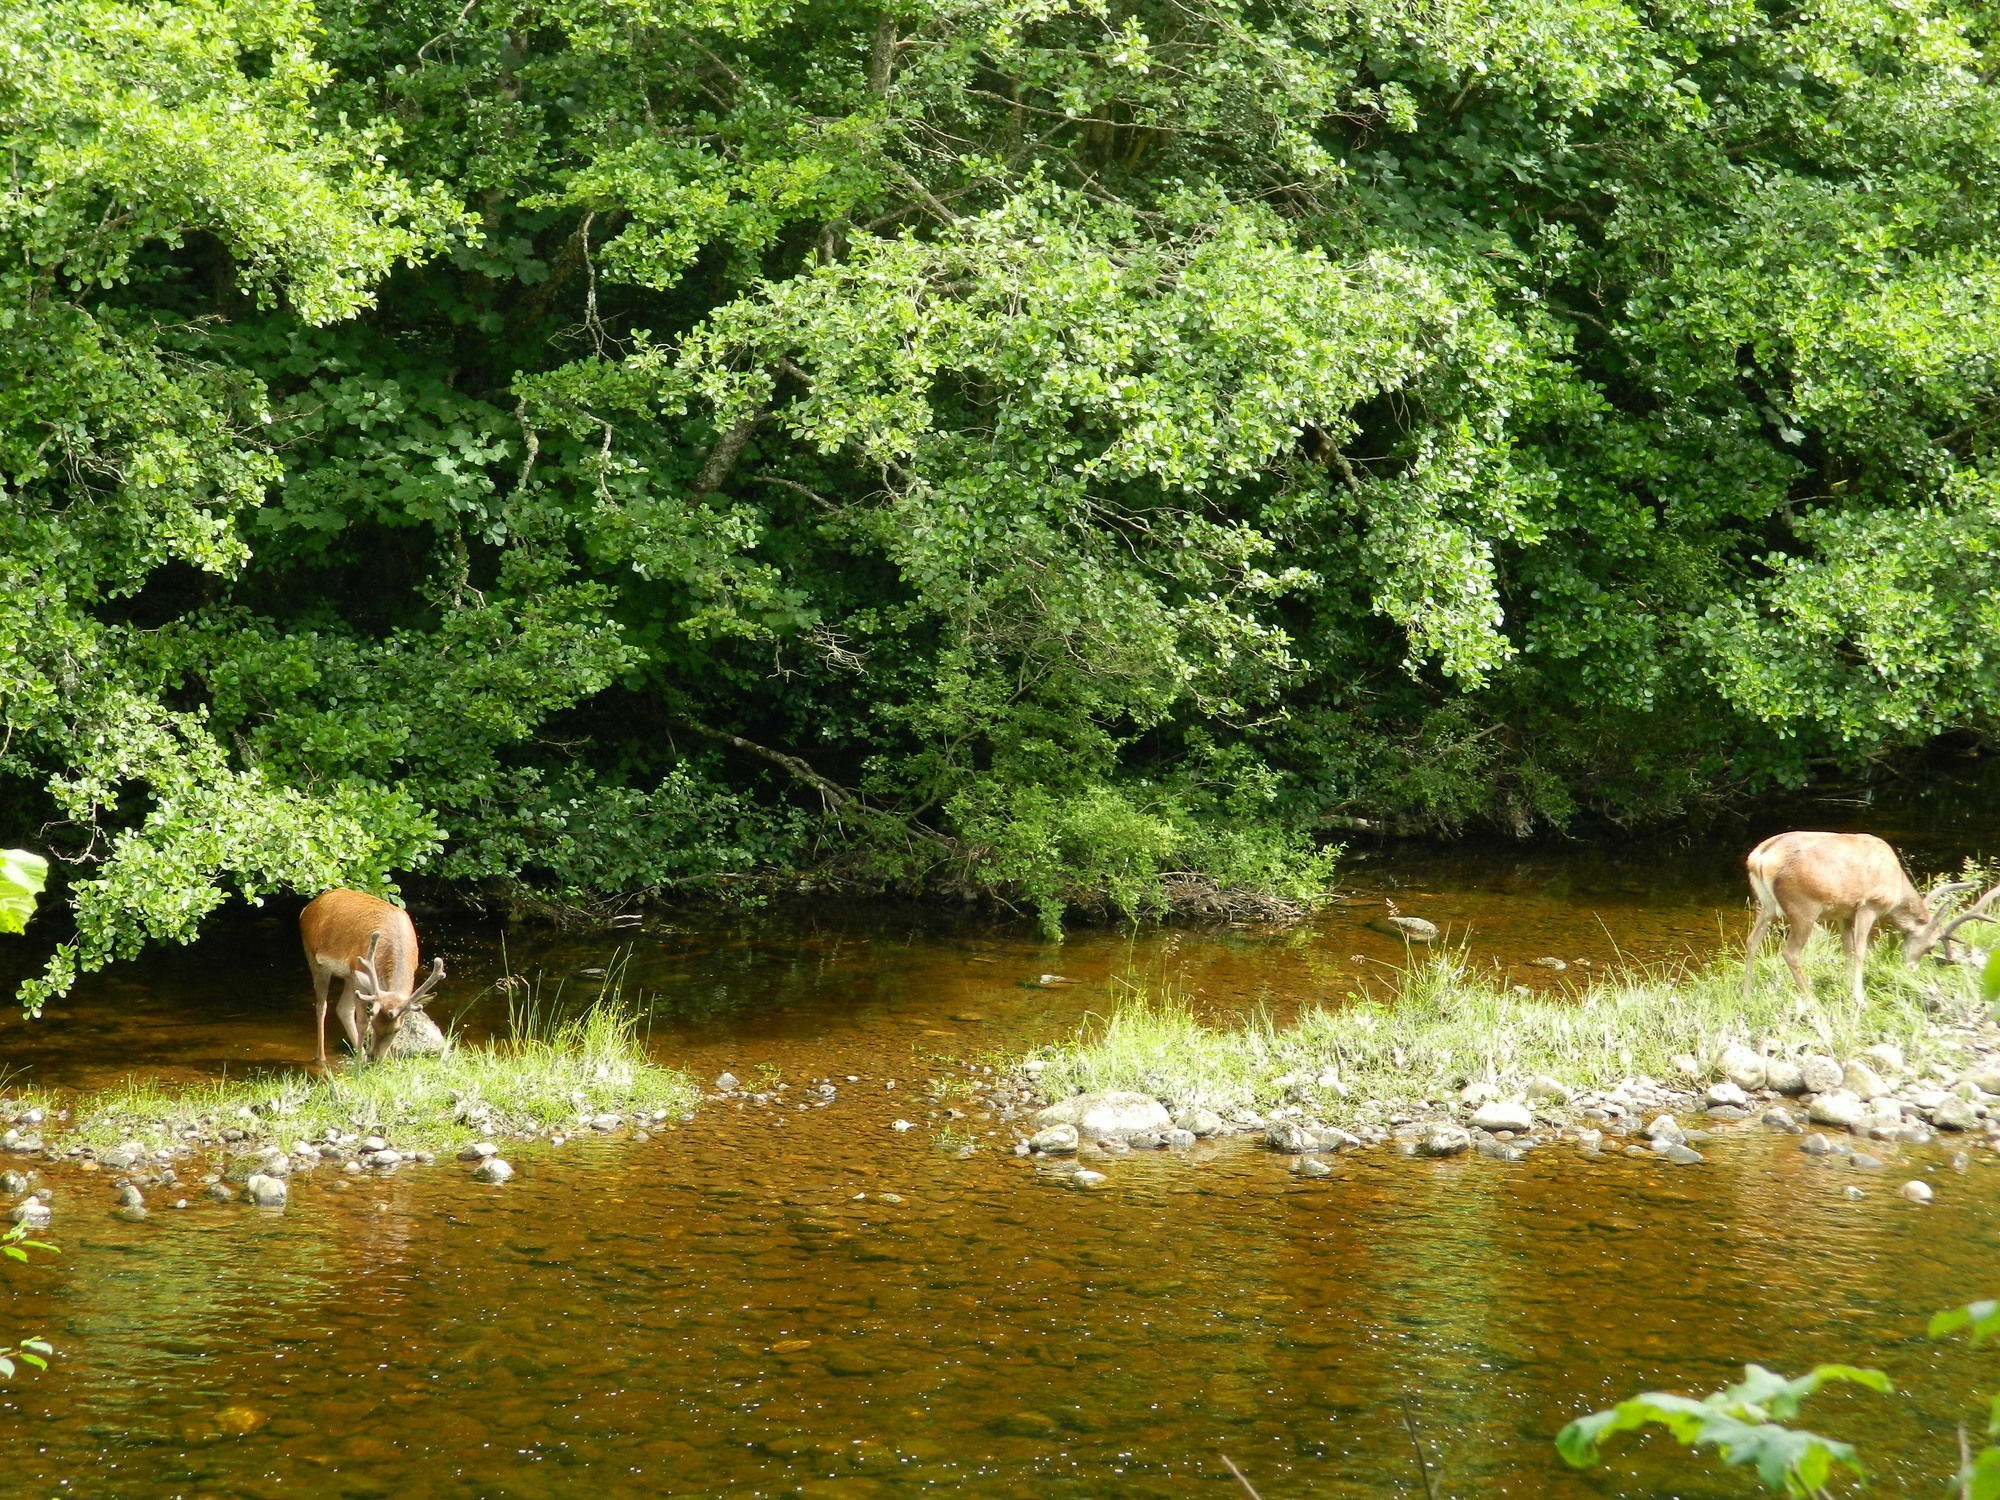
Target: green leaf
(22,877)
(1983,1318)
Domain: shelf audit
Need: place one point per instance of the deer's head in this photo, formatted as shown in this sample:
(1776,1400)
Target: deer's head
(387,1007)
(1936,931)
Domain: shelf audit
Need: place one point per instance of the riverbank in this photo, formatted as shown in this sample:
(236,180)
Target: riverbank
(1453,1060)
(586,1071)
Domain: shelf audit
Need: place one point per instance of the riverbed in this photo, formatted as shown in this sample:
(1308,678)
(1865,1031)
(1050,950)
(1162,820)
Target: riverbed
(802,1299)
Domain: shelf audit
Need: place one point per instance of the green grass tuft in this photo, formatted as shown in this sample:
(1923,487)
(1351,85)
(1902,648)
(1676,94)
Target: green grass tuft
(1446,1026)
(556,1069)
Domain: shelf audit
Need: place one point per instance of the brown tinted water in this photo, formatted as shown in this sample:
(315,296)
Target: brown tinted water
(806,1301)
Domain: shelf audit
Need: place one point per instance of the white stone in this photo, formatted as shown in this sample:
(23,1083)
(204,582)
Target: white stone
(1665,1128)
(266,1192)
(1056,1139)
(1503,1114)
(1783,1076)
(1862,1081)
(1740,1066)
(1108,1115)
(1821,1074)
(1838,1107)
(1916,1192)
(1724,1094)
(1544,1088)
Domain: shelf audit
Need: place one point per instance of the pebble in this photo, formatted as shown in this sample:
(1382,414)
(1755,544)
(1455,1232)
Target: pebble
(478,1151)
(1852,1193)
(727,1082)
(1307,1166)
(1665,1128)
(1085,1178)
(1819,1073)
(1444,1140)
(1202,1122)
(1864,1162)
(1916,1192)
(1742,1067)
(220,1192)
(266,1192)
(1783,1076)
(1679,1154)
(1817,1145)
(492,1169)
(1056,1140)
(1725,1092)
(1839,1108)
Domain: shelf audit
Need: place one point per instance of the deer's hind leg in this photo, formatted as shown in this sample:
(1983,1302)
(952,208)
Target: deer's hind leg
(1799,924)
(1758,929)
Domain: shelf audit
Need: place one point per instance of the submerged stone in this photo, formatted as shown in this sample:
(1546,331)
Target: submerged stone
(266,1192)
(492,1169)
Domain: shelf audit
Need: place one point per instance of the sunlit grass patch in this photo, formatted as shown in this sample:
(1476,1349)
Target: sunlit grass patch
(557,1068)
(1446,1026)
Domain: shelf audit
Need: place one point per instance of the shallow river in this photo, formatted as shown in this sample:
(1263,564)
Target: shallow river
(808,1302)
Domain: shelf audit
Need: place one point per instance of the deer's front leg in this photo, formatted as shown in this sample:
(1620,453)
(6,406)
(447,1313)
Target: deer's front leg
(349,1011)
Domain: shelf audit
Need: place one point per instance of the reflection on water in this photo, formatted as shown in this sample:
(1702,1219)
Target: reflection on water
(807,1302)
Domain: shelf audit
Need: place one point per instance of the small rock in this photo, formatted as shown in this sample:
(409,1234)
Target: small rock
(1916,1192)
(131,1213)
(1817,1145)
(1413,929)
(1885,1055)
(1292,1138)
(417,1036)
(1862,1081)
(478,1151)
(1177,1139)
(1056,1140)
(492,1169)
(901,1125)
(1444,1140)
(727,1082)
(1777,1117)
(1502,1114)
(373,1143)
(1307,1166)
(220,1192)
(1677,1153)
(1838,1108)
(266,1192)
(1544,1089)
(130,1197)
(1589,1140)
(1202,1122)
(1085,1178)
(1146,1140)
(1687,1065)
(1496,1149)
(386,1157)
(1986,1078)
(32,1212)
(1665,1128)
(1862,1161)
(12,1183)
(1546,962)
(1783,1076)
(1726,1112)
(1740,1066)
(1822,1074)
(606,1121)
(1725,1092)
(1852,1193)
(1954,1113)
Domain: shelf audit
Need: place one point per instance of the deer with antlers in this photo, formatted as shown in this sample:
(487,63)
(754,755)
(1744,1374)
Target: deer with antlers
(1852,879)
(372,946)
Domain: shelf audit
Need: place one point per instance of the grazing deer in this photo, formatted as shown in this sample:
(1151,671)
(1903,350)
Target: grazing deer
(373,947)
(1850,878)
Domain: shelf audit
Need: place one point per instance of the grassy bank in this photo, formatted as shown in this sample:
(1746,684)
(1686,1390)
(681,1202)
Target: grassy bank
(552,1073)
(1447,1026)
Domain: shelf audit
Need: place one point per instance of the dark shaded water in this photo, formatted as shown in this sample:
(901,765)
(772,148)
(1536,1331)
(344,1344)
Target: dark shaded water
(809,1302)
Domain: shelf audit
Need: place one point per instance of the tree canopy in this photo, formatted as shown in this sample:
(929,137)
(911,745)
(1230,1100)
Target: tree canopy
(1067,450)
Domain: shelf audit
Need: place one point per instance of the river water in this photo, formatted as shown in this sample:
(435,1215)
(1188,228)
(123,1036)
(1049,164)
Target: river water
(806,1301)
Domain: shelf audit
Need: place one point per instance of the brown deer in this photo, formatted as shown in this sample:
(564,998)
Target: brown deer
(1849,878)
(373,947)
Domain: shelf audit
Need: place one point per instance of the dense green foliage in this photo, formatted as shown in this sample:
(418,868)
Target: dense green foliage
(1055,448)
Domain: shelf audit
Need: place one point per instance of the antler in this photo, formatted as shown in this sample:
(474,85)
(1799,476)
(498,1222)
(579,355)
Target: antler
(430,981)
(1973,913)
(366,984)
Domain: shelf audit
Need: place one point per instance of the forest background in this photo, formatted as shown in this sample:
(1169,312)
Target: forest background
(1072,453)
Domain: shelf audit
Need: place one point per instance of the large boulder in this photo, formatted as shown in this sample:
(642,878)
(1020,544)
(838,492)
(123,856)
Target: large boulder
(418,1036)
(1108,1116)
